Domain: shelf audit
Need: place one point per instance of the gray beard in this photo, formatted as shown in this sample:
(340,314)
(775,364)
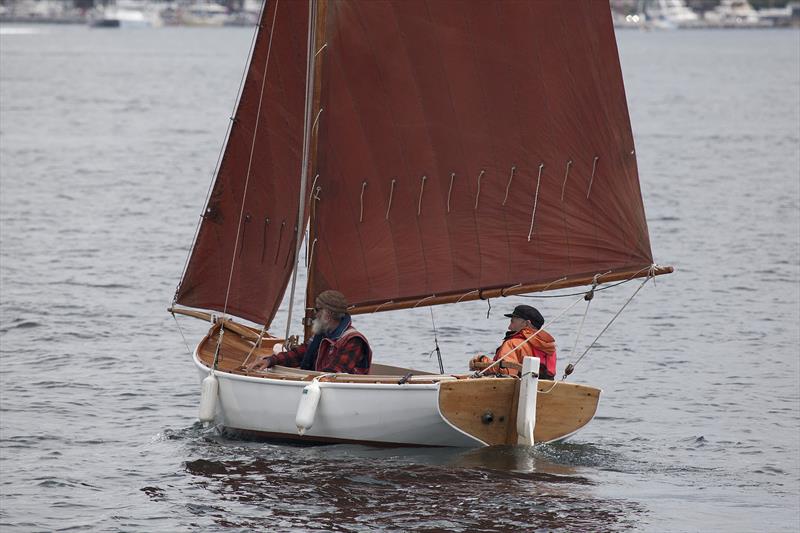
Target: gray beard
(318,326)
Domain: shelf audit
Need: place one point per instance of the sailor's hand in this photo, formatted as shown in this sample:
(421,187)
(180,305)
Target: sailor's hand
(478,362)
(261,363)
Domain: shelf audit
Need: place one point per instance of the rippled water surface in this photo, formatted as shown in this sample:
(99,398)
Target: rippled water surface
(108,140)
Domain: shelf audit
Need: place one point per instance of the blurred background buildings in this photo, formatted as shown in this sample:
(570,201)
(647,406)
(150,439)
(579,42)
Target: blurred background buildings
(637,14)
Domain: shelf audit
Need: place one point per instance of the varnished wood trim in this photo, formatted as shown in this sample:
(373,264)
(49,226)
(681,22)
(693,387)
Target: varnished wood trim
(560,412)
(496,292)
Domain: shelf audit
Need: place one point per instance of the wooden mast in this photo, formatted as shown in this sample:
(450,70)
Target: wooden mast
(319,42)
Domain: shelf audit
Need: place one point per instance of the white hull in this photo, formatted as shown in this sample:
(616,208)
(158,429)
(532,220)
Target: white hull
(377,413)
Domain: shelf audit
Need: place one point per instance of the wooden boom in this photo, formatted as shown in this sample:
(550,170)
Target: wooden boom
(485,294)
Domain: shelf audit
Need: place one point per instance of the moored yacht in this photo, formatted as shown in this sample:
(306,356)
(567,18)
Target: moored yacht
(734,13)
(671,14)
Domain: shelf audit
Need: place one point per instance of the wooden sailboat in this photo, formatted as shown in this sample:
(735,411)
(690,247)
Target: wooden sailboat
(437,152)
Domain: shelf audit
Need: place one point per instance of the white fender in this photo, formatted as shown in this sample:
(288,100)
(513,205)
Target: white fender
(307,408)
(277,348)
(526,410)
(208,398)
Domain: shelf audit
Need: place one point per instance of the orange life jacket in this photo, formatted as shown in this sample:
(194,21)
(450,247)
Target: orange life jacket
(543,346)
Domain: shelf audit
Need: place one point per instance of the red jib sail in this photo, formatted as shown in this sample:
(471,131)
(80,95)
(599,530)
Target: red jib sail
(260,169)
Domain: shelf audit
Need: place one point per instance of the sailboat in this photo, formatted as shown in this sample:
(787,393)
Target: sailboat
(428,153)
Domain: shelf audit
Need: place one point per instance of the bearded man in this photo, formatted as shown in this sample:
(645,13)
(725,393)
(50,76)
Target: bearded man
(336,346)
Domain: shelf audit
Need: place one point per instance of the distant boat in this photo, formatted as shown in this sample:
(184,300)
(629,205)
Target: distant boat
(124,15)
(734,13)
(671,14)
(433,159)
(204,14)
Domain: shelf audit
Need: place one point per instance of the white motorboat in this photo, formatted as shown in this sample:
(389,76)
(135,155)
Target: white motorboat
(671,14)
(734,13)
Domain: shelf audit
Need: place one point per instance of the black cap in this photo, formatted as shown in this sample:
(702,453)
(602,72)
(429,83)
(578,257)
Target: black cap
(526,312)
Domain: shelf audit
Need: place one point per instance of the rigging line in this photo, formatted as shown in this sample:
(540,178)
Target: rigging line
(247,178)
(421,190)
(381,305)
(311,254)
(466,294)
(423,300)
(588,297)
(648,278)
(508,186)
(391,195)
(546,287)
(535,200)
(478,194)
(633,277)
(316,122)
(530,337)
(300,228)
(436,342)
(361,213)
(221,152)
(313,184)
(591,180)
(311,197)
(256,344)
(450,190)
(504,289)
(548,391)
(566,175)
(181,332)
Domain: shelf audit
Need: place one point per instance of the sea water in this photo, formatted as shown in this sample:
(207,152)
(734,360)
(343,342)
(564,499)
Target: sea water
(108,141)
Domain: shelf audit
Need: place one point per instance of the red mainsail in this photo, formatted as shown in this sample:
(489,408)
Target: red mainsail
(440,121)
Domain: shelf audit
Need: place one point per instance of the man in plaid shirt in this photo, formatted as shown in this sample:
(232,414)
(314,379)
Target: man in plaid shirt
(335,347)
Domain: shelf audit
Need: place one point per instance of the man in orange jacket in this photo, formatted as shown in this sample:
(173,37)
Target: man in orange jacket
(524,338)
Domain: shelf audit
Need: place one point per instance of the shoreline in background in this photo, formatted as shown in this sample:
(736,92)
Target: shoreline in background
(643,15)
